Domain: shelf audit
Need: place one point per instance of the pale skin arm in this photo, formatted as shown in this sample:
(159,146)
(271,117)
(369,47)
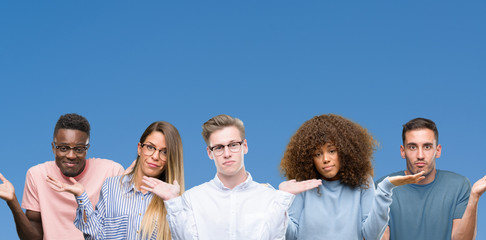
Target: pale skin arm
(465,228)
(29,225)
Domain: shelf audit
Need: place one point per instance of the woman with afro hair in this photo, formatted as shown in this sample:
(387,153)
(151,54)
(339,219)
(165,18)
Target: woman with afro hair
(346,205)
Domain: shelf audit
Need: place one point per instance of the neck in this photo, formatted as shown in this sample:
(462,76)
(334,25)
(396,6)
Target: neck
(234,180)
(137,180)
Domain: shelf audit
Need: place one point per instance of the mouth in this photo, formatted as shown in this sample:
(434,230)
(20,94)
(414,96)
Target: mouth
(328,168)
(420,164)
(152,165)
(70,164)
(228,162)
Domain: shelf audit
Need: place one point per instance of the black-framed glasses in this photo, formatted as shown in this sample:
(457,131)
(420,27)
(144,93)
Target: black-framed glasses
(232,146)
(78,150)
(149,150)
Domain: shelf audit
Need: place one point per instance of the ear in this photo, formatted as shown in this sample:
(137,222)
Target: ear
(210,154)
(139,149)
(53,148)
(402,151)
(245,147)
(439,151)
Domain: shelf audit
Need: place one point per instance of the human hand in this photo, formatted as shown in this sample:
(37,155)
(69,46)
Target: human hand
(479,187)
(407,179)
(164,190)
(76,188)
(130,168)
(295,187)
(7,190)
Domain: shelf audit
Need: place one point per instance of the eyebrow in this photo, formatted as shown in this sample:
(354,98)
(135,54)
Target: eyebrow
(415,144)
(153,145)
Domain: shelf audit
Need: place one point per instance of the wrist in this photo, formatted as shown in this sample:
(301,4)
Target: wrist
(474,197)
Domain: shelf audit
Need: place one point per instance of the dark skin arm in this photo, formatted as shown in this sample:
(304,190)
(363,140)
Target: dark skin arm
(29,225)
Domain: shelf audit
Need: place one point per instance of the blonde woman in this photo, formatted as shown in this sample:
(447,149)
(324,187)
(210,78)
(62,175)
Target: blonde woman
(126,210)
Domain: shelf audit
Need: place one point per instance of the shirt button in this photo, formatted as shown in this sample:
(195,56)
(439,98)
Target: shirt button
(80,201)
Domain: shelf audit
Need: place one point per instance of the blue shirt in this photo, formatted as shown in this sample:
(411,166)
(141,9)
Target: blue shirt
(427,211)
(338,211)
(118,214)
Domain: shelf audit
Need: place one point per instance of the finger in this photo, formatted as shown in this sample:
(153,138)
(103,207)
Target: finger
(53,182)
(146,188)
(150,182)
(176,183)
(3,178)
(73,180)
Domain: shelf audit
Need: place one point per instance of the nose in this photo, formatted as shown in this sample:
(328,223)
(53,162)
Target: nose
(227,152)
(70,154)
(325,158)
(420,154)
(155,154)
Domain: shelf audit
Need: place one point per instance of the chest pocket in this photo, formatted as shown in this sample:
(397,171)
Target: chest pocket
(254,226)
(116,227)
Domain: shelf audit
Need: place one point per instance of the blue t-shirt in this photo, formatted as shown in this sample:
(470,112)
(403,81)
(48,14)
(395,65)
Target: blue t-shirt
(426,211)
(338,211)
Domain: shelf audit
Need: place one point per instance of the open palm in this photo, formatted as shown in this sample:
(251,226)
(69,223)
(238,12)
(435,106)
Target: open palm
(164,190)
(76,188)
(7,190)
(407,179)
(295,187)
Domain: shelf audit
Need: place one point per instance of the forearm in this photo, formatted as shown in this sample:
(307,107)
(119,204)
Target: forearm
(377,221)
(466,229)
(181,221)
(278,218)
(25,229)
(88,220)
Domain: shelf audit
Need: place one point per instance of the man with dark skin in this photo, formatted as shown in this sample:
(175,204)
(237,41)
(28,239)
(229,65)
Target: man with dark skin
(70,145)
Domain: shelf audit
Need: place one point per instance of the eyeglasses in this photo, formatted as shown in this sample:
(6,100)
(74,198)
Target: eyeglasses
(233,147)
(149,150)
(77,150)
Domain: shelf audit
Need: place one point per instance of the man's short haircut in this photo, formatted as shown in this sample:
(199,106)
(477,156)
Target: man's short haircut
(72,121)
(219,122)
(420,123)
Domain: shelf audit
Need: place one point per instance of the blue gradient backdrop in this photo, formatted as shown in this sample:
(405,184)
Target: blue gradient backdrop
(274,64)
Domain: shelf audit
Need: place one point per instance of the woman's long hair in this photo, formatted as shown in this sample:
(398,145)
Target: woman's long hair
(155,215)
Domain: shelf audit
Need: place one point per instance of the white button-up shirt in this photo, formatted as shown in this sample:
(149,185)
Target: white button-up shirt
(212,211)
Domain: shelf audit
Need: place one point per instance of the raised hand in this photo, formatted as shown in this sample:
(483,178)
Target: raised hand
(164,190)
(76,188)
(130,168)
(295,187)
(479,187)
(7,190)
(407,179)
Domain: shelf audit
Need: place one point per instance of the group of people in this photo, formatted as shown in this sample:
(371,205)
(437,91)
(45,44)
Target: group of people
(329,192)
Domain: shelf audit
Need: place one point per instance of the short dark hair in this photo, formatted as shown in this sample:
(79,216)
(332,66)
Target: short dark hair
(420,123)
(72,121)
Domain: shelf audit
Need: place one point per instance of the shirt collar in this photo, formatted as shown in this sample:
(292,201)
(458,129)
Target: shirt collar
(240,186)
(126,184)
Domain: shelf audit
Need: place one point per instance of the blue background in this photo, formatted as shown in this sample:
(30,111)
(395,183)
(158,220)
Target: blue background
(274,64)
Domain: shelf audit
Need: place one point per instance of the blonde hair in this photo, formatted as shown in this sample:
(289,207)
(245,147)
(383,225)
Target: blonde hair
(155,215)
(221,121)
